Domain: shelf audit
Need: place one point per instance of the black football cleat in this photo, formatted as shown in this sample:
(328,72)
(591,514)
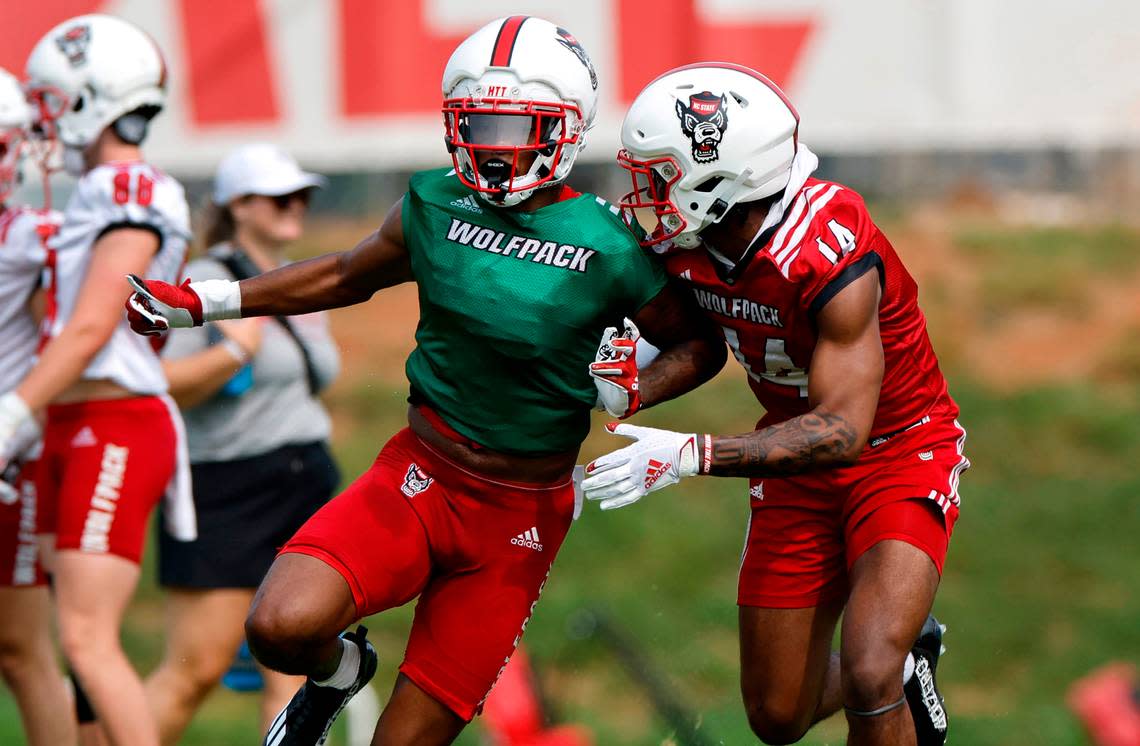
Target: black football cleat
(927,707)
(309,716)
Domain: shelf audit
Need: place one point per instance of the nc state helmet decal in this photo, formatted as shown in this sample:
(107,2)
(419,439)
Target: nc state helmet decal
(567,39)
(73,43)
(704,120)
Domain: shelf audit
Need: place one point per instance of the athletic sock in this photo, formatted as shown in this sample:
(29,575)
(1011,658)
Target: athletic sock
(346,671)
(908,667)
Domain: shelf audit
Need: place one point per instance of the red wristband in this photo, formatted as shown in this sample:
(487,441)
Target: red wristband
(706,461)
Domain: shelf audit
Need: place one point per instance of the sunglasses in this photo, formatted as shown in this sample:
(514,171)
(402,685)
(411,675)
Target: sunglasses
(284,201)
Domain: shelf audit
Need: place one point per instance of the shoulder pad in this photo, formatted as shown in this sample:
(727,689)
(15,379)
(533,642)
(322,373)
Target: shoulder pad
(22,231)
(825,223)
(136,193)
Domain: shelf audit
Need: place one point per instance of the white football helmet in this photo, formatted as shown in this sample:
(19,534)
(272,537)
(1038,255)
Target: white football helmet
(15,118)
(698,140)
(520,88)
(88,72)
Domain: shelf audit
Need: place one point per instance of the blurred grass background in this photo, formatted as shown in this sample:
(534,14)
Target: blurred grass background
(1038,330)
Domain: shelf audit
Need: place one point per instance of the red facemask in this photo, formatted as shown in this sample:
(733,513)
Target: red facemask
(649,204)
(495,142)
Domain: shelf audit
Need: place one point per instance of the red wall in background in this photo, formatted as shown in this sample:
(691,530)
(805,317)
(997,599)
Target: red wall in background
(231,75)
(390,61)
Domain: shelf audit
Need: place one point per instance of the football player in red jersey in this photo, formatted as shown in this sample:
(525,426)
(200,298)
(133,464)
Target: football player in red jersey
(854,467)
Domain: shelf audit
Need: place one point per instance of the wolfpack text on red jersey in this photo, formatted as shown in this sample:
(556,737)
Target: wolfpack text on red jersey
(738,308)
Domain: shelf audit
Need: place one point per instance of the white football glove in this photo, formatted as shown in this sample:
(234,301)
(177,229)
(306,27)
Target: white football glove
(614,371)
(157,306)
(657,458)
(19,428)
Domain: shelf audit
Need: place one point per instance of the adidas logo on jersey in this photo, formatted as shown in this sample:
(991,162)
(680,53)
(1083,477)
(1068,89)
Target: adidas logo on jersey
(756,491)
(467,203)
(528,539)
(655,471)
(84,438)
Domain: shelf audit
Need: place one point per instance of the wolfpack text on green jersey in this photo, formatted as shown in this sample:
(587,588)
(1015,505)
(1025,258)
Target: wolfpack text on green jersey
(567,256)
(512,305)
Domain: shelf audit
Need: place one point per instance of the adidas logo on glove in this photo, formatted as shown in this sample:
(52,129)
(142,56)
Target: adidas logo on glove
(655,471)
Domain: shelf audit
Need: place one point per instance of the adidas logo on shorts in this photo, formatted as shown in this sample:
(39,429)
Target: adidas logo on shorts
(85,437)
(467,203)
(528,539)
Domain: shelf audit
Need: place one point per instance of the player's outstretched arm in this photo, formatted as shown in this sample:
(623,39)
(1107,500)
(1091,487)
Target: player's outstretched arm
(843,388)
(333,280)
(330,281)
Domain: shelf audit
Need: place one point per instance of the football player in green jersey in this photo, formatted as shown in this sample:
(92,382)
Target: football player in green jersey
(518,276)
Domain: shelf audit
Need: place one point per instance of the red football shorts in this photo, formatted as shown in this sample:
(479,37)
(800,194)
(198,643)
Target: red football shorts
(475,551)
(105,464)
(807,531)
(19,561)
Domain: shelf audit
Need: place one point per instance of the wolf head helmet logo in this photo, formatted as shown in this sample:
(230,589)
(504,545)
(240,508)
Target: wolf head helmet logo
(73,43)
(704,120)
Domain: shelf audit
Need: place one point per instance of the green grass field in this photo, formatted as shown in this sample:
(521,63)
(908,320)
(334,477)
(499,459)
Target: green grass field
(1040,584)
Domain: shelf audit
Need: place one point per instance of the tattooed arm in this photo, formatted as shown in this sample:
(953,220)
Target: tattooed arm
(843,388)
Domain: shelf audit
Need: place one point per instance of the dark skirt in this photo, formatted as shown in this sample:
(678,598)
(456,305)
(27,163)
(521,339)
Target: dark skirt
(247,509)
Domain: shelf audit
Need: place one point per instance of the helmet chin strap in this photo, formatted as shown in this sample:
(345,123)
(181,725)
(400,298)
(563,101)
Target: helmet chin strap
(729,264)
(722,208)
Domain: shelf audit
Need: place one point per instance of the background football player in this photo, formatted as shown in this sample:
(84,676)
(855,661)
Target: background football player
(110,443)
(27,653)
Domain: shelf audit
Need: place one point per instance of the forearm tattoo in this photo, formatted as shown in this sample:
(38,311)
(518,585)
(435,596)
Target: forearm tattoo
(813,440)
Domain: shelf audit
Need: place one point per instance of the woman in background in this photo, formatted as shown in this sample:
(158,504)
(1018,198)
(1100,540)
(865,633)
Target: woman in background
(258,437)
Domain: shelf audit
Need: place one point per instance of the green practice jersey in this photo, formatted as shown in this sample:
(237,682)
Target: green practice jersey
(512,307)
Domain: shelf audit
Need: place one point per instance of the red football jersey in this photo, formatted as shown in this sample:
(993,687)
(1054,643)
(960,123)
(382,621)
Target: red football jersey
(767,309)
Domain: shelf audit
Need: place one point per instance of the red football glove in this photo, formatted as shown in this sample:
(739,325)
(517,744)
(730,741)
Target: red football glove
(615,371)
(157,306)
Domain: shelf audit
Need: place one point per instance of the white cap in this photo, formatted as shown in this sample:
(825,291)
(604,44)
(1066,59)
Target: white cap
(261,168)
